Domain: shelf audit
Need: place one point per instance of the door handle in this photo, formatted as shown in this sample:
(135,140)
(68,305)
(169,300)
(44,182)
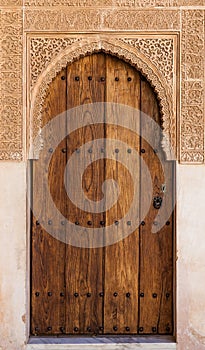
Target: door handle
(157,202)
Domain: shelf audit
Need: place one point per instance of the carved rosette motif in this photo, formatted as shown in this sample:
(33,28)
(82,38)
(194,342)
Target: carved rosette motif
(11,103)
(118,48)
(192,104)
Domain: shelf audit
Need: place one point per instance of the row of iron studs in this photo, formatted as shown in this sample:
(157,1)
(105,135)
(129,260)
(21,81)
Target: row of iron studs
(101,294)
(102,223)
(102,79)
(115,328)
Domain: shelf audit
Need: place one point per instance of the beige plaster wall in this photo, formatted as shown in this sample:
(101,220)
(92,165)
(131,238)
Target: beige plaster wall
(190,252)
(191,257)
(13,269)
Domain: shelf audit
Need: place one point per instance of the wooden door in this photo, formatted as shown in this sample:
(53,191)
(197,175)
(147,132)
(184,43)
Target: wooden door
(120,288)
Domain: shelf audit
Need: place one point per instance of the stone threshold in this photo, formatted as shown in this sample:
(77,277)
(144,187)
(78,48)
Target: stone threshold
(102,343)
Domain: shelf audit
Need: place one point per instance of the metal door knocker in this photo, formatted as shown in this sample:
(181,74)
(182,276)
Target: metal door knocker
(157,202)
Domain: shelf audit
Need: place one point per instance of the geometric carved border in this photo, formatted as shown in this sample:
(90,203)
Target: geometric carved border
(49,55)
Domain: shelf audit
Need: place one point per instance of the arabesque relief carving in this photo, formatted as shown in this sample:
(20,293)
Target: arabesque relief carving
(11,100)
(116,46)
(96,19)
(39,17)
(114,3)
(193,85)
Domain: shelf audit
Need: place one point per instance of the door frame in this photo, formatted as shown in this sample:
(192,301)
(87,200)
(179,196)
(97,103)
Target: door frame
(29,234)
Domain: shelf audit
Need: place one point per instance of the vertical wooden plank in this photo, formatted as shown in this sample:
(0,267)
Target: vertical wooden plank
(84,275)
(122,258)
(156,265)
(48,254)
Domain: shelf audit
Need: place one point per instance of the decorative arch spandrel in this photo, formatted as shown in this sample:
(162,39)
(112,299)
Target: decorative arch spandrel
(114,46)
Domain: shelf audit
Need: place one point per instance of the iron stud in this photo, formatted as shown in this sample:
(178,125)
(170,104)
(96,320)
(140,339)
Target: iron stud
(154,329)
(168,223)
(115,294)
(90,151)
(62,223)
(142,150)
(102,223)
(62,329)
(116,79)
(117,150)
(168,329)
(77,78)
(129,79)
(129,150)
(51,150)
(63,77)
(37,294)
(50,222)
(77,150)
(127,329)
(88,295)
(37,223)
(167,295)
(115,328)
(101,294)
(128,295)
(101,328)
(49,329)
(102,78)
(141,329)
(64,150)
(143,223)
(89,329)
(129,223)
(77,223)
(76,295)
(142,295)
(62,294)
(116,222)
(154,295)
(89,78)
(50,294)
(89,223)
(36,329)
(75,329)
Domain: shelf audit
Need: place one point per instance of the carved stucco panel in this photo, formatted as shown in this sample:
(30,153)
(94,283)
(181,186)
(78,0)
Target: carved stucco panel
(113,3)
(66,19)
(118,48)
(43,50)
(11,103)
(98,16)
(192,103)
(160,51)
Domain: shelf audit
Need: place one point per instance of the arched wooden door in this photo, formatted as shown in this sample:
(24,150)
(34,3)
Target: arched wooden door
(126,287)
